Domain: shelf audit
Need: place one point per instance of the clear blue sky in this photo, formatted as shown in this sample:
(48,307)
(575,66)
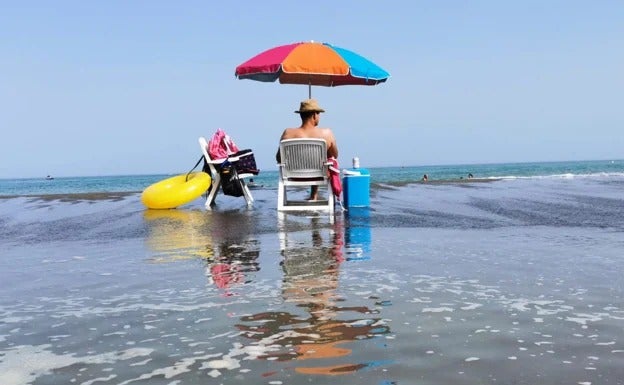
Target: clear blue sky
(126,87)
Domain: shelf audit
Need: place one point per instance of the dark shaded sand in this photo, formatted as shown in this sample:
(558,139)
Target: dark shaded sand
(456,181)
(76,197)
(463,182)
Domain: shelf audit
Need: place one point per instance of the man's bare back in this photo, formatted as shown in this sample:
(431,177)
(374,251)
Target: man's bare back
(310,118)
(313,132)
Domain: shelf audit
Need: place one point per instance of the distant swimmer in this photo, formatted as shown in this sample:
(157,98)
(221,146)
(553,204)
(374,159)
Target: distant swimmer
(470,176)
(425,178)
(253,184)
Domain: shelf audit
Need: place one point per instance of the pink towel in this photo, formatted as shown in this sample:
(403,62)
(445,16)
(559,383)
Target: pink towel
(221,145)
(334,176)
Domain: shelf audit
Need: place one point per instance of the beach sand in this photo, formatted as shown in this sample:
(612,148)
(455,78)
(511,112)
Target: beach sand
(434,283)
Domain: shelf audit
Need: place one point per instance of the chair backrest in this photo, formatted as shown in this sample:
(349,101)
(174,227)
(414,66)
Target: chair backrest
(303,158)
(203,144)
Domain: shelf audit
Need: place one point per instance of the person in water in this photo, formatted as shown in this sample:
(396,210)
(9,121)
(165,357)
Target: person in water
(253,184)
(310,113)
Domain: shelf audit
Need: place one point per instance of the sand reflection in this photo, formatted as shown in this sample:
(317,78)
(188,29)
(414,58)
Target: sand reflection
(178,234)
(318,333)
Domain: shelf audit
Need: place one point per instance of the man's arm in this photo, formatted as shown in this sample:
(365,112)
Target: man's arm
(278,158)
(332,147)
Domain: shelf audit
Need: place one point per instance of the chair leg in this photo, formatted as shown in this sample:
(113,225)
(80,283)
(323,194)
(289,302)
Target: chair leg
(331,200)
(281,196)
(247,193)
(214,189)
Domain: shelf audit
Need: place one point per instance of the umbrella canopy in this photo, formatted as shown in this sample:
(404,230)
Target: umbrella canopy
(311,63)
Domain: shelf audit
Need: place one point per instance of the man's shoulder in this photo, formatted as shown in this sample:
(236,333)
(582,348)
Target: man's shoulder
(299,132)
(290,133)
(327,133)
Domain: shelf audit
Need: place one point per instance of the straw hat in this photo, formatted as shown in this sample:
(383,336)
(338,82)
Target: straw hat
(309,105)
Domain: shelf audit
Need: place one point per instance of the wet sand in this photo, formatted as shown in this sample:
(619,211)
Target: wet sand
(506,281)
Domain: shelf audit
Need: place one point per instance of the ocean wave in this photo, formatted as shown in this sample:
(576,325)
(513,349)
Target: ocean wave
(568,175)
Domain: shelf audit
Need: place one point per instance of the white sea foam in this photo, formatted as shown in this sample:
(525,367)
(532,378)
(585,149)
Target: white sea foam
(567,175)
(141,363)
(99,379)
(584,318)
(224,363)
(15,319)
(24,364)
(437,309)
(471,306)
(420,300)
(360,323)
(179,367)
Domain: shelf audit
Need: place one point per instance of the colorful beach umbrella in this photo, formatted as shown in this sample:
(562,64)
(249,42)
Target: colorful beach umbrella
(314,64)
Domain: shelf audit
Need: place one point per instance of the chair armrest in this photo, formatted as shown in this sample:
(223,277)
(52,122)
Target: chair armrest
(233,158)
(236,158)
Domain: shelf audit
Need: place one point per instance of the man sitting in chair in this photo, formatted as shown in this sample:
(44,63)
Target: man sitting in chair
(310,113)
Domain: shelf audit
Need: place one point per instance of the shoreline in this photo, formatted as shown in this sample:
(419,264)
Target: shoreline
(120,195)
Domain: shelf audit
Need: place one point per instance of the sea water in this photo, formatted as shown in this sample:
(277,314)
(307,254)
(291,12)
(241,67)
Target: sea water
(268,178)
(511,278)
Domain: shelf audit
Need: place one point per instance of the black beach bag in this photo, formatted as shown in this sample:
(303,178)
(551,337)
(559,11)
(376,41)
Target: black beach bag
(230,184)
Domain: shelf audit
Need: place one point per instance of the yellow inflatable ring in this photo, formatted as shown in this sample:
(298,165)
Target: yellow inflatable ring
(173,192)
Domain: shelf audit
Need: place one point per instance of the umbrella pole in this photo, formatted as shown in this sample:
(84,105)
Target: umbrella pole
(310,90)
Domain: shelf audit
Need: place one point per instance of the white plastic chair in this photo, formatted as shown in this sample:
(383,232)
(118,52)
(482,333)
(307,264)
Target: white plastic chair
(304,164)
(214,164)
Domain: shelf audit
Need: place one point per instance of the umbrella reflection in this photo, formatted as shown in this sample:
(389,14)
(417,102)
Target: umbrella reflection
(316,331)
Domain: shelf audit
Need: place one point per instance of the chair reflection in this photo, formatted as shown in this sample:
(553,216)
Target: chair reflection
(314,328)
(236,249)
(233,263)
